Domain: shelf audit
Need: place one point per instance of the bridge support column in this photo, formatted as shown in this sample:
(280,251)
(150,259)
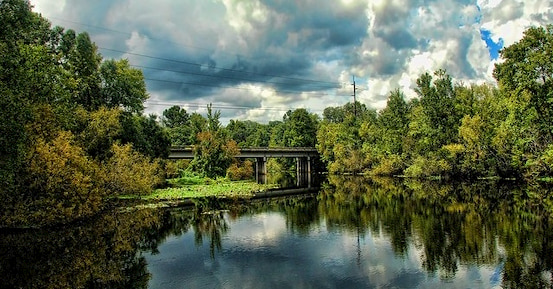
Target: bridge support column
(261,170)
(303,172)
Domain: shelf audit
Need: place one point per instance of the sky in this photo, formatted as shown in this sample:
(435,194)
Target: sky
(256,59)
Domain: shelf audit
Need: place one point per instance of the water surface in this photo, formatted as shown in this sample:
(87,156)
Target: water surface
(353,233)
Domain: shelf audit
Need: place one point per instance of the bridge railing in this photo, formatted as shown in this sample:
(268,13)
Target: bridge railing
(187,152)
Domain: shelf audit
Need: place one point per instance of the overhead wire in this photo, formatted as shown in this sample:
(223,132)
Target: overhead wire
(335,84)
(325,85)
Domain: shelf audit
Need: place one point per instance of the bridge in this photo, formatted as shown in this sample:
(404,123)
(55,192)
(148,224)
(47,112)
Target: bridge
(303,155)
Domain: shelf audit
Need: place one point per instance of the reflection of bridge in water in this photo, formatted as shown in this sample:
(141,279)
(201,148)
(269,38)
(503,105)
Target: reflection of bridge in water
(304,159)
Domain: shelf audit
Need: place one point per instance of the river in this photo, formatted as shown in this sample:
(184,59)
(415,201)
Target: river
(352,233)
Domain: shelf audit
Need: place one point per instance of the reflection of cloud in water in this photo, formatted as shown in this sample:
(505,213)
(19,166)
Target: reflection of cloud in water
(260,251)
(262,229)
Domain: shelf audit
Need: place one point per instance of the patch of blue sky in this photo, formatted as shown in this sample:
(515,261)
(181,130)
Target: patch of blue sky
(493,47)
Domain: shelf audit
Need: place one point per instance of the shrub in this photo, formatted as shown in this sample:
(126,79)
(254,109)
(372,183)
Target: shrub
(175,168)
(388,166)
(129,172)
(61,184)
(240,171)
(427,167)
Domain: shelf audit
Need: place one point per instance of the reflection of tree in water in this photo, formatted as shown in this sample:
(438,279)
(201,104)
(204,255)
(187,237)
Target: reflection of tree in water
(452,223)
(213,225)
(101,253)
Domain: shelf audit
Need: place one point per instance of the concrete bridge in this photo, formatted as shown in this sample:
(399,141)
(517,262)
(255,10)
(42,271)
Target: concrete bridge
(304,157)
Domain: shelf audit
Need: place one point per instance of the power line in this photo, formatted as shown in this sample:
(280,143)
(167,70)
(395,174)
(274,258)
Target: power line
(326,84)
(231,87)
(210,75)
(219,106)
(335,84)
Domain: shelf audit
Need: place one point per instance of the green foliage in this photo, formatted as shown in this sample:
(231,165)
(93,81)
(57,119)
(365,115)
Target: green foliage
(466,131)
(175,117)
(528,66)
(388,166)
(221,189)
(145,134)
(214,150)
(102,129)
(62,112)
(14,139)
(123,86)
(393,122)
(248,133)
(188,177)
(427,167)
(175,168)
(83,64)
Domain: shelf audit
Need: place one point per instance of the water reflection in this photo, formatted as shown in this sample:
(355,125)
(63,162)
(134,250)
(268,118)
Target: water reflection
(355,233)
(101,253)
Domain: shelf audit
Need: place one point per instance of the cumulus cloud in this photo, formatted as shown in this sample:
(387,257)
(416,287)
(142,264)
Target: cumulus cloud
(250,57)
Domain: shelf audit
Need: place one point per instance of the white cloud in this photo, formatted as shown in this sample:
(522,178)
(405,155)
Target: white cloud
(48,7)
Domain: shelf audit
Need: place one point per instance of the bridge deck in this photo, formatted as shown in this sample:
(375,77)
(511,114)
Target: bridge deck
(254,152)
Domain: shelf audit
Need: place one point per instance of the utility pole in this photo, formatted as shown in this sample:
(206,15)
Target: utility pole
(354,98)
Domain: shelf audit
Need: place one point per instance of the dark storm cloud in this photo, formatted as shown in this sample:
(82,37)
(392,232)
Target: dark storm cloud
(392,24)
(287,42)
(211,54)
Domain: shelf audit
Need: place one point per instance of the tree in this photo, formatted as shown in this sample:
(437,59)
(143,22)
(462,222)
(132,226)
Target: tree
(179,126)
(436,100)
(122,86)
(24,60)
(393,122)
(213,150)
(528,69)
(300,128)
(248,133)
(175,116)
(145,134)
(83,64)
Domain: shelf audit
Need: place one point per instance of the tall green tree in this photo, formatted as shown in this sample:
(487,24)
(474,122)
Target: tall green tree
(26,77)
(213,150)
(122,86)
(300,128)
(145,134)
(84,62)
(525,136)
(175,116)
(393,122)
(436,100)
(527,71)
(179,125)
(248,133)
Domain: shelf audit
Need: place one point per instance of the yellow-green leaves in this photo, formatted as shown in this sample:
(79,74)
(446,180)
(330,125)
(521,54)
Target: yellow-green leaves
(128,172)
